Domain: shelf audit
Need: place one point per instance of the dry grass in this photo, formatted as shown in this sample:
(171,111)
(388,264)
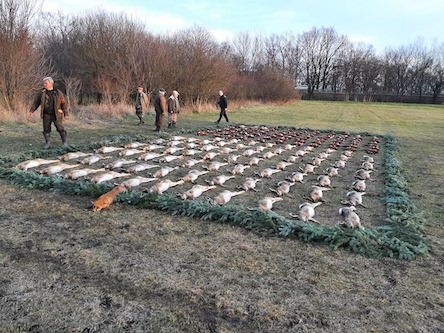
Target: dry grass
(66,269)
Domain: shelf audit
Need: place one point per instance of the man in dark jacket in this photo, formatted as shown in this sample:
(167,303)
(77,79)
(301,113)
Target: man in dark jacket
(160,106)
(223,105)
(53,108)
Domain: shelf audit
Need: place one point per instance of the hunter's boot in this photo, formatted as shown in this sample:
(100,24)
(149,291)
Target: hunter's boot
(47,142)
(141,120)
(63,137)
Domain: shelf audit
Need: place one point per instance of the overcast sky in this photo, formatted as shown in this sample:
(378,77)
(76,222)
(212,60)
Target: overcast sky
(381,23)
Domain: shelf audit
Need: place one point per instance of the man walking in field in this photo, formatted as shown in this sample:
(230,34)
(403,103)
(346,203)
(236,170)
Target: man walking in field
(223,105)
(53,108)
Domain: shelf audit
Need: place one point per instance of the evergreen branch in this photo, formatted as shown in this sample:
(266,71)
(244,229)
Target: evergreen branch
(401,237)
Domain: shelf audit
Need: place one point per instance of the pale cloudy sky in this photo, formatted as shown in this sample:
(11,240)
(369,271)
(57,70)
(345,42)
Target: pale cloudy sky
(382,23)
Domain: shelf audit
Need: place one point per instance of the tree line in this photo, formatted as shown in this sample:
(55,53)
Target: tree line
(102,57)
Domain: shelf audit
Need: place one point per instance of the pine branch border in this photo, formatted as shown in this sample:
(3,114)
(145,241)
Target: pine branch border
(401,237)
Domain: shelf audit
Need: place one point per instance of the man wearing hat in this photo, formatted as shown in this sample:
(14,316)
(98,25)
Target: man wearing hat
(160,106)
(173,108)
(142,104)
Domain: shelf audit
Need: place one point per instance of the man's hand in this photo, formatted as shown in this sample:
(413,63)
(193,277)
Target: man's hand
(29,115)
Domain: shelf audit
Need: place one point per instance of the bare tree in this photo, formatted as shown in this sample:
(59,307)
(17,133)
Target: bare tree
(106,55)
(73,87)
(200,65)
(371,76)
(103,50)
(355,65)
(21,66)
(320,50)
(292,56)
(422,62)
(397,64)
(436,77)
(247,52)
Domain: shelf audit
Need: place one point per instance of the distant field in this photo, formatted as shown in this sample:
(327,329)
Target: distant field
(66,269)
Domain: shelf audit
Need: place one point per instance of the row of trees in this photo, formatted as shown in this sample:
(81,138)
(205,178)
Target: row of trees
(101,57)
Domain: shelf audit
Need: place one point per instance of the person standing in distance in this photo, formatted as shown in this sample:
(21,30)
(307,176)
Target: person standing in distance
(160,106)
(223,105)
(53,108)
(141,104)
(173,108)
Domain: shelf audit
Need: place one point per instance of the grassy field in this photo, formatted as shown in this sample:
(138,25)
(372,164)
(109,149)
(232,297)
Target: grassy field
(66,269)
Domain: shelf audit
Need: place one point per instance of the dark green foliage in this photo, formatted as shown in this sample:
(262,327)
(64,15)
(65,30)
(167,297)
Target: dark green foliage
(401,237)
